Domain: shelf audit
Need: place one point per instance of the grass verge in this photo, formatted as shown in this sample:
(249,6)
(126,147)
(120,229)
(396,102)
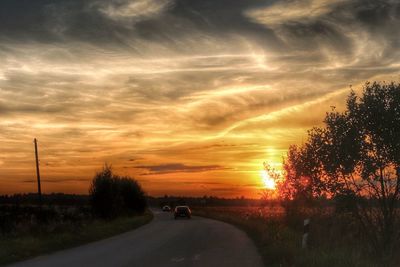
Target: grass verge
(18,248)
(280,245)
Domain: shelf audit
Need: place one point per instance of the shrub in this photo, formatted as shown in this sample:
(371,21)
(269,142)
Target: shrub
(112,195)
(132,194)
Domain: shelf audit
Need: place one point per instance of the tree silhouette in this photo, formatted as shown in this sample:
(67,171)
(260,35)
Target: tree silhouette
(356,154)
(112,195)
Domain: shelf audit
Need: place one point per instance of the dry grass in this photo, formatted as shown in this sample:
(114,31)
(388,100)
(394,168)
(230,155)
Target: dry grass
(334,240)
(27,238)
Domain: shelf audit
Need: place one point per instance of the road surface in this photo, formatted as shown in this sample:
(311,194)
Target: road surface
(162,242)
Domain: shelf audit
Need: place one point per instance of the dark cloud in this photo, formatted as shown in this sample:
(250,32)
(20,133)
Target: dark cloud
(179,167)
(84,21)
(37,20)
(58,21)
(216,18)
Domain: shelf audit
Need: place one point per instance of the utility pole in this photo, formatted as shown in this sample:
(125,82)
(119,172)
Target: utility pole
(38,172)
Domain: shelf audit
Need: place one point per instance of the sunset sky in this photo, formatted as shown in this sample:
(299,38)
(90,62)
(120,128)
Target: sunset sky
(189,97)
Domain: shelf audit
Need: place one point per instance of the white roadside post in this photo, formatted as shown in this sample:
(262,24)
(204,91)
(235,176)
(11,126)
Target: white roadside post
(305,233)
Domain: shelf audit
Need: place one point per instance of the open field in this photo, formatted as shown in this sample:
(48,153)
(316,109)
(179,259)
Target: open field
(28,232)
(333,239)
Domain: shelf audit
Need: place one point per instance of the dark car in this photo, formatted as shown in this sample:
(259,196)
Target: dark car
(182,211)
(166,208)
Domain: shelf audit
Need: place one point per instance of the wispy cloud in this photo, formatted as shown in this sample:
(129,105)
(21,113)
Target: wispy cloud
(133,10)
(215,87)
(288,11)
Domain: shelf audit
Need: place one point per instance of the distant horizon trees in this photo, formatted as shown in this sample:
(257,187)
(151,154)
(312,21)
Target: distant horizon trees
(354,157)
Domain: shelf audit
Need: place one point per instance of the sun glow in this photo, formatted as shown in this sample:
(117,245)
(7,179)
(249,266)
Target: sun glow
(269,182)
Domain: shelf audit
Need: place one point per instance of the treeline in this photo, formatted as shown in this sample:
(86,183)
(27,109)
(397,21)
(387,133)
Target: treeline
(47,199)
(110,195)
(207,201)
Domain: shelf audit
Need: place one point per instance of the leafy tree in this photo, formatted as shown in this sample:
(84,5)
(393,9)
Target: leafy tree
(112,195)
(133,196)
(103,193)
(357,155)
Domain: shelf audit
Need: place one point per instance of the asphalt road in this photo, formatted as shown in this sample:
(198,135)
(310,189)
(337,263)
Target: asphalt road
(162,242)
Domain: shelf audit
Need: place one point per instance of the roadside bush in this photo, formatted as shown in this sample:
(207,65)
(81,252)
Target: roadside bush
(102,193)
(296,211)
(345,202)
(111,195)
(133,196)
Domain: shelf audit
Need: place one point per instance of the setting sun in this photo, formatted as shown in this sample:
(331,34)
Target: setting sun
(268,181)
